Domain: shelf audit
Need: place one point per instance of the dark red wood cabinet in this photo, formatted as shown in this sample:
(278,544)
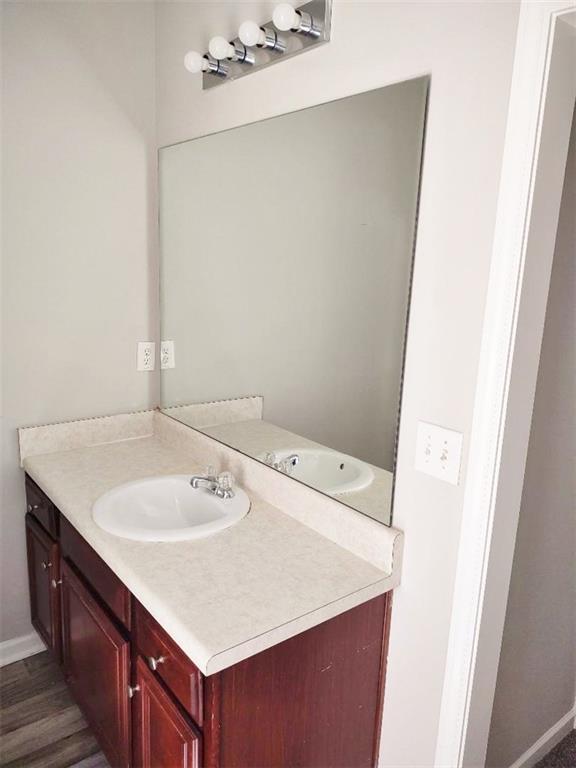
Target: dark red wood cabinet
(171,665)
(313,701)
(96,661)
(112,593)
(39,505)
(43,577)
(163,735)
(309,701)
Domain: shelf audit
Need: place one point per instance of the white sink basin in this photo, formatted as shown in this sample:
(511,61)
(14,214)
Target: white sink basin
(327,471)
(167,509)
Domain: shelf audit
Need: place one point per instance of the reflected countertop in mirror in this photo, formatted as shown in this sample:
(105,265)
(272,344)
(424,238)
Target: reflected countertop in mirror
(286,261)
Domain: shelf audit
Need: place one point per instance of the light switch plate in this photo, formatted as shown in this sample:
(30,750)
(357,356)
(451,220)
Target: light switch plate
(146,360)
(439,452)
(167,359)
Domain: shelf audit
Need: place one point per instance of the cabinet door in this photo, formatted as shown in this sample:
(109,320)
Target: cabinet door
(43,577)
(163,735)
(96,660)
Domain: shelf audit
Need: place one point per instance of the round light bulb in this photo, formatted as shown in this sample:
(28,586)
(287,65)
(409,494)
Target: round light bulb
(285,17)
(195,62)
(251,34)
(220,48)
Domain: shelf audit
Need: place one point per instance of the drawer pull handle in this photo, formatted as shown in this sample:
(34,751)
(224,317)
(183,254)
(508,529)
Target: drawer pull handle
(33,507)
(56,584)
(132,689)
(46,565)
(153,663)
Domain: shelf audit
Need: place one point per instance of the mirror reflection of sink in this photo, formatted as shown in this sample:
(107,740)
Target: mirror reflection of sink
(167,509)
(327,471)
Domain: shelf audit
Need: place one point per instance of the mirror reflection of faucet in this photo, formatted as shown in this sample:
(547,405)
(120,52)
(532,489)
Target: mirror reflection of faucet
(286,465)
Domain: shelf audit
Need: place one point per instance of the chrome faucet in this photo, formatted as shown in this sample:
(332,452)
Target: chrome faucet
(220,485)
(291,461)
(286,465)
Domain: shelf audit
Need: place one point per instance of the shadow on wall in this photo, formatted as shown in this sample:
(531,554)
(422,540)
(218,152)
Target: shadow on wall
(110,46)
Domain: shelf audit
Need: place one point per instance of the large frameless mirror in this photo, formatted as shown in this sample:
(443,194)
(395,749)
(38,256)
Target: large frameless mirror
(286,260)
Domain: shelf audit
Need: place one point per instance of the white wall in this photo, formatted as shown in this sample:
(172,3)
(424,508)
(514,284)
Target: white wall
(79,261)
(79,267)
(295,285)
(468,49)
(536,685)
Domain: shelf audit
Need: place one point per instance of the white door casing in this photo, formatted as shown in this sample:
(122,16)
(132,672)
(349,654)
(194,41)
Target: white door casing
(541,106)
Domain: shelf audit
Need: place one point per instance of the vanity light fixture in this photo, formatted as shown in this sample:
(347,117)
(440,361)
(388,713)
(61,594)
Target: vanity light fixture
(263,37)
(195,62)
(287,18)
(259,45)
(219,48)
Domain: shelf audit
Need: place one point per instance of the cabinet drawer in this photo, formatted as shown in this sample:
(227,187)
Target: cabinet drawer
(175,669)
(102,580)
(41,507)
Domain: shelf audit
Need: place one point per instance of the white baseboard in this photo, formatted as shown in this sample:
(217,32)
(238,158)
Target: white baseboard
(20,648)
(547,741)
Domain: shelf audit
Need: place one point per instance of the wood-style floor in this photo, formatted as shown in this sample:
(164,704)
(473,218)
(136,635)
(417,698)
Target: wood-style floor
(40,726)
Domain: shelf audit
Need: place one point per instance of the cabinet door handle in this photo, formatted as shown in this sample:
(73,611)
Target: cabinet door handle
(32,507)
(132,689)
(153,663)
(46,565)
(55,583)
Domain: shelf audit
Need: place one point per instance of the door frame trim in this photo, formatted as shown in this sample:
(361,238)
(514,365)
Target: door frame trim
(540,112)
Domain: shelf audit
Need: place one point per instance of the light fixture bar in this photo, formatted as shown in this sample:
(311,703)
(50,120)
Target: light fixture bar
(298,29)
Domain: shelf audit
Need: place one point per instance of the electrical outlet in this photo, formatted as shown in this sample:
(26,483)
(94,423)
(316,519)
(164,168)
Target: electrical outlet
(439,452)
(146,356)
(167,359)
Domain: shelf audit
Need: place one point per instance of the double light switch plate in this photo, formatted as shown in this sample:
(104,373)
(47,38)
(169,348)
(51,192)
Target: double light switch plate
(439,452)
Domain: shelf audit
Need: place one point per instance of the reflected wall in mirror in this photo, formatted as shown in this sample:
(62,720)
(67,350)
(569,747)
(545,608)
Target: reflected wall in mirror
(286,258)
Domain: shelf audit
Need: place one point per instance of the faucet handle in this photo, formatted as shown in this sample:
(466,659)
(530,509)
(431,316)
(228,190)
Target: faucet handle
(225,481)
(271,459)
(210,472)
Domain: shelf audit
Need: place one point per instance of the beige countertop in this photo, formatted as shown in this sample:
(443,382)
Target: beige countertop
(222,598)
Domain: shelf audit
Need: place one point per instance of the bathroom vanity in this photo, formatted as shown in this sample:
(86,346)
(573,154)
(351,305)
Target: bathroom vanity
(311,696)
(260,641)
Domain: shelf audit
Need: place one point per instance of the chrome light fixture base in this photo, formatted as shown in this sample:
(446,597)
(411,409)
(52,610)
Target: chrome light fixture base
(243,55)
(317,14)
(219,68)
(274,42)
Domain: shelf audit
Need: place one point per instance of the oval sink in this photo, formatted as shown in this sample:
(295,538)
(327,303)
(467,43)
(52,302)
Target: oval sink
(327,471)
(167,509)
